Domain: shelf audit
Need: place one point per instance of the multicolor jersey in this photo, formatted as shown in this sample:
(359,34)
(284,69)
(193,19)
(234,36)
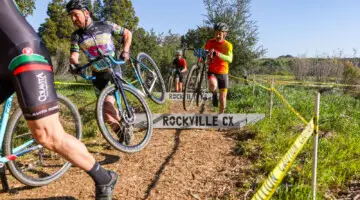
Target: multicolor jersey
(99,31)
(179,63)
(220,64)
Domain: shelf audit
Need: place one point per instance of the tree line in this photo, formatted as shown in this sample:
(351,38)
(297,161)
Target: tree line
(243,34)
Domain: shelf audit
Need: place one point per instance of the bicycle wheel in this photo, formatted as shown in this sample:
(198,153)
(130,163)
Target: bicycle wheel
(190,90)
(202,88)
(153,82)
(170,84)
(125,137)
(41,166)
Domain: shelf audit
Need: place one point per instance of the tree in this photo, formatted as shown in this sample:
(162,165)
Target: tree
(58,27)
(120,12)
(26,6)
(243,32)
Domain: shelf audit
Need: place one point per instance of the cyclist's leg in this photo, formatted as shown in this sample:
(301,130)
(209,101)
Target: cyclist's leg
(223,84)
(181,81)
(212,80)
(177,78)
(112,116)
(34,84)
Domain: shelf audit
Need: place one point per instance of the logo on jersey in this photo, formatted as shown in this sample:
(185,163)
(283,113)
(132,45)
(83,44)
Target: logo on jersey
(27,51)
(43,87)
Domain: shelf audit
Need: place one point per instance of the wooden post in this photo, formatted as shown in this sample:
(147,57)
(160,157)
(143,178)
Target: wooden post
(271,97)
(315,144)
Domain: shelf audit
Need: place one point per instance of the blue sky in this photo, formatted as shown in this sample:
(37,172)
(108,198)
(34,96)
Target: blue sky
(302,27)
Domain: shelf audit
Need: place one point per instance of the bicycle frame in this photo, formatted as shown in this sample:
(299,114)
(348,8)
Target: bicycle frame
(18,151)
(118,80)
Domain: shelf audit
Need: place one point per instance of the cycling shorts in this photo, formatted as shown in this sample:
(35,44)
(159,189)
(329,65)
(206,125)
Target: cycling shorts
(25,65)
(222,80)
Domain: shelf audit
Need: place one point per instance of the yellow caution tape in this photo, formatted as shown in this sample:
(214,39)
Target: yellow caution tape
(290,107)
(70,83)
(275,177)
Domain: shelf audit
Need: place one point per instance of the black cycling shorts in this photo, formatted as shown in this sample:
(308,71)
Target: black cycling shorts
(101,81)
(180,75)
(222,80)
(25,65)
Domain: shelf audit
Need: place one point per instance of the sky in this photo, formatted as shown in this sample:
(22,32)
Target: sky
(308,28)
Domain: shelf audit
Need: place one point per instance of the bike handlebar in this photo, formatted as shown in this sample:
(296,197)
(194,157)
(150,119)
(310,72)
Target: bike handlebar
(91,78)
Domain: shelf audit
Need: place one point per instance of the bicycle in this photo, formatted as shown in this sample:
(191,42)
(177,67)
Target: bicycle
(195,86)
(28,161)
(136,119)
(171,81)
(148,77)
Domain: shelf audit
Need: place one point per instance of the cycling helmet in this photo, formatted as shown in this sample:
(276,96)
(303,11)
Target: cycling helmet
(220,26)
(178,53)
(77,4)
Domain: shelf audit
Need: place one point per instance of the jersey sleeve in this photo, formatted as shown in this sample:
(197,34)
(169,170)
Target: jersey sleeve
(228,56)
(74,46)
(115,29)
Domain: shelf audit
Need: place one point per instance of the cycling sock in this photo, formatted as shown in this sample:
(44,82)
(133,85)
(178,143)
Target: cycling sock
(99,174)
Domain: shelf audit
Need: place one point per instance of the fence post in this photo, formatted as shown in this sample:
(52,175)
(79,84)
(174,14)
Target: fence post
(315,144)
(271,97)
(253,84)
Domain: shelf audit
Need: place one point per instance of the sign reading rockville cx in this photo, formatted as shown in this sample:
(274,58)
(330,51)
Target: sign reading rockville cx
(184,121)
(179,96)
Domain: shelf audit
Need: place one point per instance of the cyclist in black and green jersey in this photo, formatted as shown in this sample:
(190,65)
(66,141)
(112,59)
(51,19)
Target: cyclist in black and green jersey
(92,37)
(25,68)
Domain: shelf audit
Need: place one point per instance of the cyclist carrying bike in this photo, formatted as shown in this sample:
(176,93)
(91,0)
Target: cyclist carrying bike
(179,65)
(220,55)
(93,37)
(26,69)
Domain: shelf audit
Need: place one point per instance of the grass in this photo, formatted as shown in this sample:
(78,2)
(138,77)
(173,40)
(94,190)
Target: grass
(339,147)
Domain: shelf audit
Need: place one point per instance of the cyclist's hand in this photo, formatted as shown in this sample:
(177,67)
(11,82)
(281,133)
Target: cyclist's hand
(75,69)
(125,55)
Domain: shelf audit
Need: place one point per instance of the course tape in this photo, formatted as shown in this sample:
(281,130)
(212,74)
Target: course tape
(70,83)
(278,94)
(289,106)
(276,176)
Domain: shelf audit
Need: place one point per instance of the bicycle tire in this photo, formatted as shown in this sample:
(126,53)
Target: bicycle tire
(109,134)
(202,87)
(145,59)
(170,85)
(190,90)
(17,167)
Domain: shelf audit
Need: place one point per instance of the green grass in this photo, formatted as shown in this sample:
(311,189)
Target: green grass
(339,146)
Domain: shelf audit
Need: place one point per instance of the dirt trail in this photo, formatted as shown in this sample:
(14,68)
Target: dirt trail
(177,164)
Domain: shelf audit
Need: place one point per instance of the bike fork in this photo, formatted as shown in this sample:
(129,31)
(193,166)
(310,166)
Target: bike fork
(129,113)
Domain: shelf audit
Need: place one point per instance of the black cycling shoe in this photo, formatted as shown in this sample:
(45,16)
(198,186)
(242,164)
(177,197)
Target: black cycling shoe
(125,134)
(105,192)
(215,100)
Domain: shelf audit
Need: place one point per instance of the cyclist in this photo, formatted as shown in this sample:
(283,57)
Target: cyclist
(179,64)
(220,55)
(26,69)
(94,38)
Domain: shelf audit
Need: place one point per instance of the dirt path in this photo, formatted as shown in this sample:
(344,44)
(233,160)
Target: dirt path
(177,164)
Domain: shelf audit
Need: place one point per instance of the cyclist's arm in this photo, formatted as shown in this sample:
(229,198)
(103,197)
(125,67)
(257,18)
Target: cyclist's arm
(127,40)
(228,57)
(118,30)
(74,49)
(74,57)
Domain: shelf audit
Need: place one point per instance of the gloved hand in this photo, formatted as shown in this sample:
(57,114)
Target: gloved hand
(75,69)
(125,55)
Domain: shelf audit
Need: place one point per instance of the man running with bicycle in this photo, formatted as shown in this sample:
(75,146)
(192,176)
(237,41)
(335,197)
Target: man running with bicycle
(220,55)
(94,38)
(179,65)
(26,68)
